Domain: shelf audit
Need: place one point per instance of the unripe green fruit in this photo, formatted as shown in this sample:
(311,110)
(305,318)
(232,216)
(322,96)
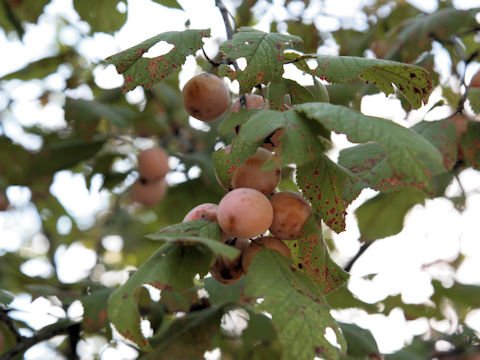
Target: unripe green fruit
(206,97)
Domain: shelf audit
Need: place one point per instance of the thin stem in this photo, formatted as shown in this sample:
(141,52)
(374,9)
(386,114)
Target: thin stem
(230,31)
(360,251)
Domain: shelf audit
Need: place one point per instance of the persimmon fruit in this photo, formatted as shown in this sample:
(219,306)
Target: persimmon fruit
(206,97)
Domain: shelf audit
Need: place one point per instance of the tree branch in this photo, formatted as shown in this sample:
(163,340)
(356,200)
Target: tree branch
(229,29)
(45,334)
(225,15)
(360,251)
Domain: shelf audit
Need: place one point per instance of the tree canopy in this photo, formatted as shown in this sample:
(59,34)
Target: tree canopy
(155,284)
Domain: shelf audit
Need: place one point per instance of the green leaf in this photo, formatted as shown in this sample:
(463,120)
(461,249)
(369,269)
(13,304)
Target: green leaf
(183,197)
(411,311)
(310,255)
(414,36)
(299,313)
(319,91)
(442,134)
(342,298)
(412,81)
(7,339)
(172,266)
(14,13)
(322,183)
(405,157)
(197,232)
(15,162)
(419,349)
(279,89)
(462,295)
(103,17)
(187,337)
(369,163)
(40,68)
(169,3)
(470,142)
(301,142)
(221,294)
(263,53)
(60,154)
(360,342)
(95,310)
(138,70)
(474,99)
(85,115)
(5,298)
(383,215)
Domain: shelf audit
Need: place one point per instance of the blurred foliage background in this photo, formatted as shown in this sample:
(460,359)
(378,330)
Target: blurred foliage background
(96,131)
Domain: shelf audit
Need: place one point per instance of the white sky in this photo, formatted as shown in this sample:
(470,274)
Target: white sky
(434,233)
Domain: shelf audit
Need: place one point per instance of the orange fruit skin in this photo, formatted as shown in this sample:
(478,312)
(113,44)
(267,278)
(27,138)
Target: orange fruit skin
(206,97)
(250,173)
(153,164)
(244,213)
(149,193)
(228,271)
(290,212)
(264,242)
(252,101)
(206,211)
(475,82)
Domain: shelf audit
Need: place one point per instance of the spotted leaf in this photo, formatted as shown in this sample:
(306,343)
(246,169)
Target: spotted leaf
(171,268)
(323,182)
(412,81)
(264,53)
(139,70)
(300,314)
(394,155)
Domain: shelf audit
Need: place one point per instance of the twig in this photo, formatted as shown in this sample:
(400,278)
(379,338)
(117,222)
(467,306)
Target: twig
(360,251)
(225,15)
(27,342)
(229,29)
(9,323)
